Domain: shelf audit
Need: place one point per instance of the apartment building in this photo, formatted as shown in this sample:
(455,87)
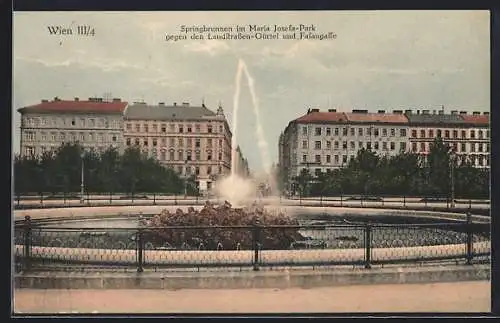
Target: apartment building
(468,135)
(192,140)
(94,123)
(320,141)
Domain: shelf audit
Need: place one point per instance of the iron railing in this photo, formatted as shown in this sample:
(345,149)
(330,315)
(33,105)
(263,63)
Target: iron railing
(39,246)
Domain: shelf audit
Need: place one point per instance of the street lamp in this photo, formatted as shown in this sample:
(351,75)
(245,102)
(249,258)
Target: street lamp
(82,183)
(452,175)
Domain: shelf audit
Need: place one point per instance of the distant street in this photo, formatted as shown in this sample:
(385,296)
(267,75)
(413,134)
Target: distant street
(437,297)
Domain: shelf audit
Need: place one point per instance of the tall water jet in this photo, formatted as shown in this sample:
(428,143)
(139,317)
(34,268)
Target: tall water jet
(234,188)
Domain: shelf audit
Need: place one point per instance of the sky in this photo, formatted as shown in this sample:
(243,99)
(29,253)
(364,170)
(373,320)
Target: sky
(377,60)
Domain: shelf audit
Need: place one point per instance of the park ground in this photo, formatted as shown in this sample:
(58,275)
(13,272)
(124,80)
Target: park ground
(472,297)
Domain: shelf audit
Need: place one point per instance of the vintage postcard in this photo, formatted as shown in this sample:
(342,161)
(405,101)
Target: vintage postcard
(251,161)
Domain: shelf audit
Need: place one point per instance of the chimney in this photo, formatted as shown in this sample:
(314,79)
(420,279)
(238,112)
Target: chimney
(425,111)
(56,99)
(397,111)
(161,103)
(463,112)
(454,112)
(332,110)
(77,99)
(434,111)
(359,111)
(418,111)
(99,99)
(185,104)
(175,104)
(315,110)
(117,100)
(486,113)
(407,111)
(45,100)
(381,111)
(476,113)
(441,112)
(91,99)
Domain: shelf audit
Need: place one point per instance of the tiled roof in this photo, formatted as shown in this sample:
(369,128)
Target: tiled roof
(376,117)
(320,117)
(476,119)
(76,106)
(434,118)
(167,112)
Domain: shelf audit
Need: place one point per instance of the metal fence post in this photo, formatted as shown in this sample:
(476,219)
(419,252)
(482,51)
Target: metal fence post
(368,243)
(404,200)
(154,198)
(27,243)
(469,242)
(140,250)
(256,244)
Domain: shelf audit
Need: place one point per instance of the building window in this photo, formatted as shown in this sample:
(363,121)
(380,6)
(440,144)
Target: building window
(220,143)
(181,128)
(344,159)
(73,122)
(480,147)
(304,144)
(317,158)
(375,132)
(414,133)
(472,134)
(328,159)
(197,154)
(113,138)
(155,127)
(447,133)
(353,145)
(82,137)
(304,158)
(136,142)
(336,158)
(209,128)
(137,127)
(360,131)
(155,142)
(344,145)
(336,131)
(335,145)
(360,145)
(188,155)
(197,143)
(369,131)
(30,151)
(473,147)
(53,136)
(353,131)
(189,142)
(439,133)
(189,129)
(209,143)
(317,171)
(384,132)
(402,146)
(220,156)
(317,131)
(180,142)
(197,170)
(221,129)
(209,170)
(145,142)
(487,147)
(422,146)
(480,134)
(304,131)
(128,141)
(129,126)
(180,155)
(462,147)
(209,156)
(344,131)
(384,145)
(44,136)
(455,146)
(328,144)
(422,133)
(431,133)
(487,134)
(464,134)
(328,131)
(369,145)
(172,155)
(414,147)
(393,132)
(393,146)
(172,142)
(455,134)
(402,132)
(317,145)
(146,128)
(164,128)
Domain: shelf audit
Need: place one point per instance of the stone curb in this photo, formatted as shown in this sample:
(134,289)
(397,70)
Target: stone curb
(281,279)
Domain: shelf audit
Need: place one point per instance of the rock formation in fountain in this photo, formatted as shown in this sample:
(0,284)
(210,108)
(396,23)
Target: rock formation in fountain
(160,231)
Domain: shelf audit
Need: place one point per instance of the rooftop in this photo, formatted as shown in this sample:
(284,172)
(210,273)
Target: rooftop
(142,111)
(322,117)
(92,105)
(376,117)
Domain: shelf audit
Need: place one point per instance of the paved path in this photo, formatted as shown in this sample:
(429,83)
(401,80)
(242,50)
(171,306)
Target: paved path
(437,297)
